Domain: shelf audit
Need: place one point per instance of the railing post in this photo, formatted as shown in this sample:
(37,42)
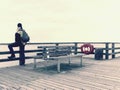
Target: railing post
(113,50)
(106,54)
(57,44)
(76,44)
(22,55)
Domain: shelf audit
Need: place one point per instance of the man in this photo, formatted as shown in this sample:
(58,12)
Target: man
(18,43)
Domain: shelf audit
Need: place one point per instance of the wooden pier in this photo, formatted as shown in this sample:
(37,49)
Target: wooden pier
(100,74)
(94,75)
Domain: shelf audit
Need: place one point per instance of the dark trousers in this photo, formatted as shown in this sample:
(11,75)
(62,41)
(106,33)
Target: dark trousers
(21,52)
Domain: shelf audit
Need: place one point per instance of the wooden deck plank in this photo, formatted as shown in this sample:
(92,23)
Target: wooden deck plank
(94,75)
(46,82)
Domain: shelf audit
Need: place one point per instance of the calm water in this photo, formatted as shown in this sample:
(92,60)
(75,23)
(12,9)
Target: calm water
(29,47)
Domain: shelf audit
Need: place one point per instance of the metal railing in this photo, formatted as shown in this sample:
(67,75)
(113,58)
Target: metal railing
(109,49)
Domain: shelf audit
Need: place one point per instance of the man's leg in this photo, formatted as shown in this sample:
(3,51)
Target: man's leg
(22,55)
(10,46)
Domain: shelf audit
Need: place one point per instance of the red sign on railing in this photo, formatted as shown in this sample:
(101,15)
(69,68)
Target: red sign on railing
(87,48)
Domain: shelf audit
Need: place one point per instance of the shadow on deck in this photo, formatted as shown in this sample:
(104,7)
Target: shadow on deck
(94,75)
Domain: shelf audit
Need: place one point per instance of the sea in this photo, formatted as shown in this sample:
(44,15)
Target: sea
(4,48)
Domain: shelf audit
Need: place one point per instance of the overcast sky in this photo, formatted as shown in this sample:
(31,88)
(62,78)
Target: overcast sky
(61,20)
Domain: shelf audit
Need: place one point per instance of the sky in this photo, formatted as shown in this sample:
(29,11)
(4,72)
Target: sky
(61,20)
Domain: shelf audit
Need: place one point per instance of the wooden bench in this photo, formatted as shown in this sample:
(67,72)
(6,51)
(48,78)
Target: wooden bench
(55,53)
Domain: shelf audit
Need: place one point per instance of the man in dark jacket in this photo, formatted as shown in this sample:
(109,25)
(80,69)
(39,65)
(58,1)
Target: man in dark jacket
(18,43)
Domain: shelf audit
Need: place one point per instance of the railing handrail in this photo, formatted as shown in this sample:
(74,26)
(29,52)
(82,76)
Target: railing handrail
(32,43)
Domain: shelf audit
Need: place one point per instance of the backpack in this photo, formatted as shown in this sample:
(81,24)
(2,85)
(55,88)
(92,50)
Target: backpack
(25,37)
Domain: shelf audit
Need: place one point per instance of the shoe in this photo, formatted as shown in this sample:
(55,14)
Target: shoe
(11,57)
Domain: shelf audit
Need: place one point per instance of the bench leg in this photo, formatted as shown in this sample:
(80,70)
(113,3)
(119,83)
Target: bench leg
(81,57)
(58,65)
(34,62)
(46,63)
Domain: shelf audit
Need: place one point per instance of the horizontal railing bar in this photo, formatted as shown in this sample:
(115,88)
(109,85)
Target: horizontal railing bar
(26,51)
(34,43)
(15,59)
(114,53)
